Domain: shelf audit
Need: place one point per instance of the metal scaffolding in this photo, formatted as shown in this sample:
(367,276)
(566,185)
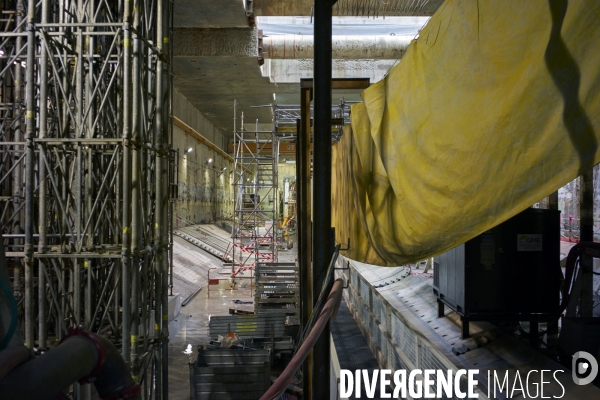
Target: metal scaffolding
(256,197)
(285,117)
(85,90)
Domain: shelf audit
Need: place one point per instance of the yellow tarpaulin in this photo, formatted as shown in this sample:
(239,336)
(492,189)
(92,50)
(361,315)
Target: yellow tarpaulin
(493,107)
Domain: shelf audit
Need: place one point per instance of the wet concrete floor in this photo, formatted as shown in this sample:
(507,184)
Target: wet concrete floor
(191,326)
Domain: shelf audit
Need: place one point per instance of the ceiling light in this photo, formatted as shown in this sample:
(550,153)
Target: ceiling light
(189,150)
(224,168)
(210,160)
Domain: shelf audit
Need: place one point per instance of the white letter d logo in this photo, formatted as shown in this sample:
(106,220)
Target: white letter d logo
(580,367)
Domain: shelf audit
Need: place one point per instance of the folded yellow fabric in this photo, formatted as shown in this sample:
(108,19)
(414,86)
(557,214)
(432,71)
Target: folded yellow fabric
(493,107)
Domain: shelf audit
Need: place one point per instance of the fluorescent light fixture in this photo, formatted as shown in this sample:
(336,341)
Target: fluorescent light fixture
(224,168)
(209,160)
(189,150)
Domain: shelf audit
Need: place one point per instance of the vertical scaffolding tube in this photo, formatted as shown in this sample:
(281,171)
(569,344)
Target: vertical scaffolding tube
(586,214)
(88,240)
(29,169)
(135,192)
(18,137)
(175,159)
(322,184)
(77,284)
(126,260)
(42,189)
(161,199)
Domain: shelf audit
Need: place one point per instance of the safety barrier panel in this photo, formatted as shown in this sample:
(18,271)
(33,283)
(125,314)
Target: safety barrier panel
(395,343)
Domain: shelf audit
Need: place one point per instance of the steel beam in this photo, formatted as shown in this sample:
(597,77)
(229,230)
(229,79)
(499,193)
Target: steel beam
(303,198)
(586,234)
(321,248)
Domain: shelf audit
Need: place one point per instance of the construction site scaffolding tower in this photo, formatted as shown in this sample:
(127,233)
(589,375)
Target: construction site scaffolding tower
(84,142)
(256,196)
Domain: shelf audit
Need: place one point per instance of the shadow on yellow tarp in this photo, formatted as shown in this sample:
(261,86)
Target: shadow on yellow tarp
(495,106)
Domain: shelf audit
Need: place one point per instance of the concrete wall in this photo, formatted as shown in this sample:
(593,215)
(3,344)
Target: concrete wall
(185,111)
(205,191)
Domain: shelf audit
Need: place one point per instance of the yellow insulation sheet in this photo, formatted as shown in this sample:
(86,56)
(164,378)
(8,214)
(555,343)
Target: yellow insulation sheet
(495,106)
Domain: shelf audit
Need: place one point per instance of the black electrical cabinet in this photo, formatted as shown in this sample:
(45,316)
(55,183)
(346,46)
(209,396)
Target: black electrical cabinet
(511,272)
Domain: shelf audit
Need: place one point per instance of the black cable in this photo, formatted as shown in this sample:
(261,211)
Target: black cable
(303,333)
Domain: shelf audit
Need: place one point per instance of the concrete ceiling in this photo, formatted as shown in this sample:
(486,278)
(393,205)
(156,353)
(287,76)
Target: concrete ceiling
(209,14)
(212,84)
(215,61)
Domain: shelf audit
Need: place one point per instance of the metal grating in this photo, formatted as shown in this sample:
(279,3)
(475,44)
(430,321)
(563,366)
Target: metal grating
(354,279)
(351,345)
(262,325)
(379,337)
(353,298)
(405,346)
(277,289)
(404,338)
(364,292)
(428,360)
(230,374)
(364,314)
(397,362)
(378,309)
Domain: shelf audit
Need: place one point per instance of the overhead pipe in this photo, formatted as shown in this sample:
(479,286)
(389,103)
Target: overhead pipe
(12,350)
(344,47)
(82,356)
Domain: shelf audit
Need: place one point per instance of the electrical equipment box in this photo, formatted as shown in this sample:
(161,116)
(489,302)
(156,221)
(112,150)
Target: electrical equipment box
(510,272)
